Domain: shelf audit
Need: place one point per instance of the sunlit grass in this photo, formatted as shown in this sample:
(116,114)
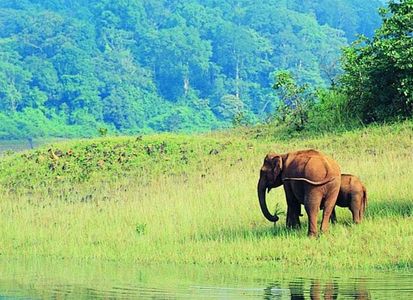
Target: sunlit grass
(213,216)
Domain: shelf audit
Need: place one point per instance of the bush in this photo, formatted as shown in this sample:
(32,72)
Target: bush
(332,112)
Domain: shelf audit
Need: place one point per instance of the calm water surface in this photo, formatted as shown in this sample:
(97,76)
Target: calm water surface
(75,280)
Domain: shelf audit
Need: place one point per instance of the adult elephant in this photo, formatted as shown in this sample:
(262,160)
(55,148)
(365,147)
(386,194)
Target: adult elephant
(309,177)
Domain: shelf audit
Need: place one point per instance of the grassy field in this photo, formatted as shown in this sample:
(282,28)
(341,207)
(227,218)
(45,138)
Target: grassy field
(192,199)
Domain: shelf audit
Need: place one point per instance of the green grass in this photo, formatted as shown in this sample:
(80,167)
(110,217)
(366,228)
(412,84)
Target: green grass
(193,200)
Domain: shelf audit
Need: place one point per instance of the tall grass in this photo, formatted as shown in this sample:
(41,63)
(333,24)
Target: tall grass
(209,214)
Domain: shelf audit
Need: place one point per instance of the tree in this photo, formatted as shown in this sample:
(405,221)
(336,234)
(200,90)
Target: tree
(295,100)
(175,54)
(378,72)
(14,81)
(230,106)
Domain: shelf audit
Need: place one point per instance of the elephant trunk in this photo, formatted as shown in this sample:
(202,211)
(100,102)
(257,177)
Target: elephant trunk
(261,196)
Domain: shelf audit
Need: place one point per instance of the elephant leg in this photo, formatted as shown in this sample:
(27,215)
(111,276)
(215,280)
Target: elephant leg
(315,290)
(312,207)
(312,212)
(329,203)
(333,218)
(356,204)
(355,210)
(293,215)
(293,208)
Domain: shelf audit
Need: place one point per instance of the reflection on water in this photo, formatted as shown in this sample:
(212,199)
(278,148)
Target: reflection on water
(76,280)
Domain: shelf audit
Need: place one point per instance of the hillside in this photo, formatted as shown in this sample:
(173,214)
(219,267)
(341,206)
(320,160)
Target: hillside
(192,199)
(69,68)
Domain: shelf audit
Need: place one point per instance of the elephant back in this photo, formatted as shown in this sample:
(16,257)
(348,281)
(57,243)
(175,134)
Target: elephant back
(312,165)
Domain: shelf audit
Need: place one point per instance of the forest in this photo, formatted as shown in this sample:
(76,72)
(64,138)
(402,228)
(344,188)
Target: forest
(83,68)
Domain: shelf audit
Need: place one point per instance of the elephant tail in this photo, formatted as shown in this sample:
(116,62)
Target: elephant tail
(308,180)
(364,201)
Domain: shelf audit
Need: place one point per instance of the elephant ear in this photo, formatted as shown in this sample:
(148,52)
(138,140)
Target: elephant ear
(277,164)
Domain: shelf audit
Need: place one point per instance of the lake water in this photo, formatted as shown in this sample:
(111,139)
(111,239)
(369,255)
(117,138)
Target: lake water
(21,145)
(75,280)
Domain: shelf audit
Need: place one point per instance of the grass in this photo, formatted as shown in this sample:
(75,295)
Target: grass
(194,202)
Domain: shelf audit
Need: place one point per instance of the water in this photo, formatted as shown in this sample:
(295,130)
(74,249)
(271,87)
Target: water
(21,145)
(75,280)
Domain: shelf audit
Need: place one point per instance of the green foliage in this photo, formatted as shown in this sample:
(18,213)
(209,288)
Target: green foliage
(230,107)
(136,67)
(352,16)
(378,72)
(294,102)
(103,131)
(331,113)
(376,85)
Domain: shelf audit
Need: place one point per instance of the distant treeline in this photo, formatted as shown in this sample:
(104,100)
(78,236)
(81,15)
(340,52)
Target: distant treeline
(70,68)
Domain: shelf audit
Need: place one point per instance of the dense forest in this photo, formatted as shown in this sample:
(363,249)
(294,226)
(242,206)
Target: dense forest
(77,68)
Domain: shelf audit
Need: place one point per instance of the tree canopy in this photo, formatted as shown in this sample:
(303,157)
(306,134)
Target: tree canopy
(378,71)
(68,68)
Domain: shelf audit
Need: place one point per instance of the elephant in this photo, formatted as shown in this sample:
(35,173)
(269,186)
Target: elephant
(309,177)
(353,194)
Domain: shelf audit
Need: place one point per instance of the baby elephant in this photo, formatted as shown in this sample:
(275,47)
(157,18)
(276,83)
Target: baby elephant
(353,195)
